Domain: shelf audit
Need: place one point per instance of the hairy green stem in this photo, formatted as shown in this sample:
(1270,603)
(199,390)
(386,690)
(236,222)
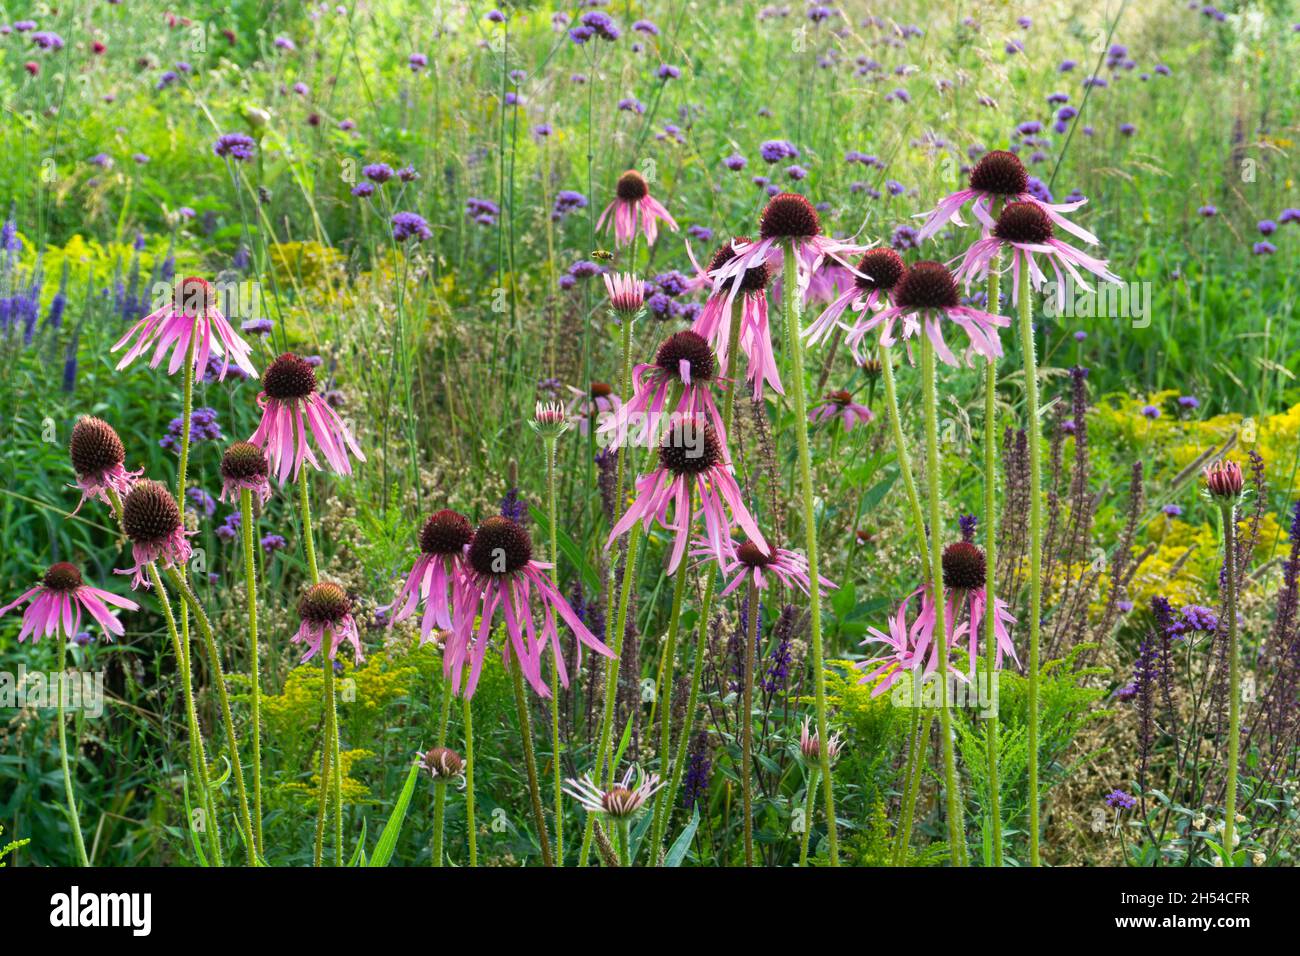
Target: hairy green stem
(747,725)
(73,817)
(471,828)
(809,806)
(1035,552)
(255,679)
(900,447)
(1234,679)
(795,344)
(991,728)
(956,820)
(554,554)
(440,789)
(530,761)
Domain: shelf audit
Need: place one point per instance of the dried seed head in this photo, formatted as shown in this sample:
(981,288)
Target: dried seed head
(149,513)
(324,603)
(690,347)
(789,216)
(62,577)
(1001,173)
(690,448)
(288,378)
(446,532)
(884,267)
(95,447)
(632,186)
(443,763)
(1024,222)
(244,461)
(500,546)
(871,367)
(927,285)
(754,280)
(963,567)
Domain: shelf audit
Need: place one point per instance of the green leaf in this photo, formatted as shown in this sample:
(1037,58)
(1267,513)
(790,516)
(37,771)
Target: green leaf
(359,854)
(622,744)
(189,821)
(677,852)
(393,828)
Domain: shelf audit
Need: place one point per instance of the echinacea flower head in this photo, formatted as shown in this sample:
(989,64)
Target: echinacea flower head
(1224,481)
(633,204)
(152,521)
(443,764)
(626,293)
(438,576)
(326,613)
(683,361)
(963,567)
(810,748)
(1026,230)
(925,301)
(999,176)
(840,404)
(692,469)
(715,318)
(550,420)
(292,408)
(98,458)
(189,321)
(244,467)
(501,575)
(54,606)
(621,802)
(751,562)
(877,272)
(791,220)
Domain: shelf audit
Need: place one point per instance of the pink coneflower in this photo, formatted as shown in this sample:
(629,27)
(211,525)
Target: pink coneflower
(750,562)
(191,314)
(244,467)
(596,403)
(621,801)
(626,292)
(683,360)
(1224,480)
(964,572)
(787,218)
(924,299)
(1025,229)
(810,747)
(840,404)
(152,520)
(326,612)
(910,648)
(999,175)
(438,575)
(291,407)
(692,467)
(502,575)
(714,320)
(633,200)
(57,602)
(97,457)
(877,273)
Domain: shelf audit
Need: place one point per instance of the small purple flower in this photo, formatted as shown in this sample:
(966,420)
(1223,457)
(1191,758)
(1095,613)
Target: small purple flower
(735,162)
(362,190)
(775,150)
(1151,412)
(1288,215)
(1066,66)
(796,172)
(1263,248)
(1127,129)
(1189,402)
(630,104)
(273,542)
(407,174)
(1208,211)
(417,62)
(667,71)
(284,43)
(410,225)
(238,146)
(1171,511)
(378,172)
(1266,227)
(1119,800)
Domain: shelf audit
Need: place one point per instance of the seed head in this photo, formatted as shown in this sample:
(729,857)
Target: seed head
(691,447)
(632,186)
(754,279)
(443,763)
(62,578)
(1025,222)
(289,378)
(789,216)
(95,447)
(927,285)
(963,567)
(244,461)
(690,347)
(446,532)
(149,513)
(324,603)
(883,268)
(1001,173)
(500,546)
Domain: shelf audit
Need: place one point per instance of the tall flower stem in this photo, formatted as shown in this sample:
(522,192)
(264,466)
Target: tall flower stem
(991,728)
(554,554)
(198,759)
(664,700)
(440,788)
(916,759)
(471,827)
(250,584)
(1035,552)
(182,469)
(530,761)
(808,808)
(223,698)
(73,817)
(956,820)
(789,290)
(1234,678)
(667,796)
(747,724)
(331,738)
(900,447)
(615,625)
